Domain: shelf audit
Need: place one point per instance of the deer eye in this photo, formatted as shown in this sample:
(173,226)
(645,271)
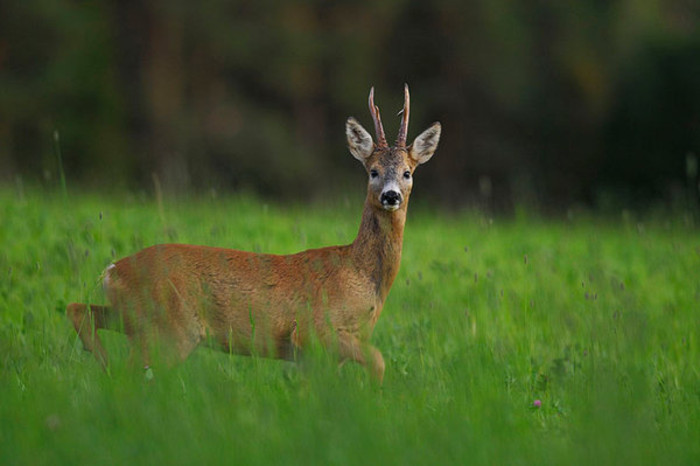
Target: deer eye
(407,175)
(373,174)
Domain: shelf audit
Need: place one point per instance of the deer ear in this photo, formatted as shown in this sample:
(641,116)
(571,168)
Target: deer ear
(359,141)
(424,145)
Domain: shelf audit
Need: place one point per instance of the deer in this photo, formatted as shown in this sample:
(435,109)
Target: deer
(181,295)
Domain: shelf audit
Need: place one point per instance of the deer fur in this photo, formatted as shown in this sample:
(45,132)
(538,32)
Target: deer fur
(272,305)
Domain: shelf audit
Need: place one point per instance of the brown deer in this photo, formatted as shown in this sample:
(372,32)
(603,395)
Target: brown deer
(265,304)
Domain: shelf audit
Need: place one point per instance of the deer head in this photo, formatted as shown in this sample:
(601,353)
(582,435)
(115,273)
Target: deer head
(390,169)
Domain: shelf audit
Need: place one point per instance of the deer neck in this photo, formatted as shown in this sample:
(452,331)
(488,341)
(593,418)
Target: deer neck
(377,249)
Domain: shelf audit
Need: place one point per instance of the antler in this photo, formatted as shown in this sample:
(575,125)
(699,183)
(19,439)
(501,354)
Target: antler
(403,130)
(378,128)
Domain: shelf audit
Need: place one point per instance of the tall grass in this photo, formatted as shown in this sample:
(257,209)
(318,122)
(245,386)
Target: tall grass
(597,319)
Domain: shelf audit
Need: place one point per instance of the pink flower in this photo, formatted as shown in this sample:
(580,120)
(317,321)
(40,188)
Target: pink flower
(537,403)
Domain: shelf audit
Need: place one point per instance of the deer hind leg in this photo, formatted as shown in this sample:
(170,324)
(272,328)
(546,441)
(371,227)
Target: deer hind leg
(350,347)
(160,343)
(87,319)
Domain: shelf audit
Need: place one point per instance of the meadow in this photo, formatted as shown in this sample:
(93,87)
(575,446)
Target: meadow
(522,340)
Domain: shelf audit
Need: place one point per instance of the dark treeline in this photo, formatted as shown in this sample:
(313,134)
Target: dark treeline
(543,102)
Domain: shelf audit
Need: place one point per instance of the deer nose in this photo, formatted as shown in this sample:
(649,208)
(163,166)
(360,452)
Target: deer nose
(390,198)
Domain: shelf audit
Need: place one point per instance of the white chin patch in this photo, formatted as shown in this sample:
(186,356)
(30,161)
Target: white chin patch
(391,207)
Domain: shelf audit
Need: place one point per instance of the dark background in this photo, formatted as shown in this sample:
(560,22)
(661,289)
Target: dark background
(547,104)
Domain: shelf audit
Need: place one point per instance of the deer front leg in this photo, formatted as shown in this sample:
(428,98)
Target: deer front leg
(350,347)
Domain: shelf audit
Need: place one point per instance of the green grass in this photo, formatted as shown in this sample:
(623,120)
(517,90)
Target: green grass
(596,318)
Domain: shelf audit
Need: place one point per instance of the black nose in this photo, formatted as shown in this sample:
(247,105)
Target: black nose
(390,198)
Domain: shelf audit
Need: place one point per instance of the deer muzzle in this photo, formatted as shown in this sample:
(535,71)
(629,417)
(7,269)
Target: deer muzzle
(390,198)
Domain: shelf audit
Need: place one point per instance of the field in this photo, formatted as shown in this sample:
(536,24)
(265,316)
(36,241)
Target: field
(596,319)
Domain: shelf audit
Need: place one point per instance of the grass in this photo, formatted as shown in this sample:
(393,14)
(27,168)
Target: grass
(597,319)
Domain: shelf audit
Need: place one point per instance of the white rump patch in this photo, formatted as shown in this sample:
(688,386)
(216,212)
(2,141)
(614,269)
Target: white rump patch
(107,280)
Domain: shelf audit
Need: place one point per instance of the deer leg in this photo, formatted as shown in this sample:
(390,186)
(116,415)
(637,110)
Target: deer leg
(87,319)
(139,356)
(162,346)
(350,347)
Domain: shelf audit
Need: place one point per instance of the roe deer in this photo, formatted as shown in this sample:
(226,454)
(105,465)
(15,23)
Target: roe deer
(269,304)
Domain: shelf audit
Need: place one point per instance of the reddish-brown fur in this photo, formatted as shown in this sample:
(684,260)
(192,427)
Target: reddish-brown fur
(270,305)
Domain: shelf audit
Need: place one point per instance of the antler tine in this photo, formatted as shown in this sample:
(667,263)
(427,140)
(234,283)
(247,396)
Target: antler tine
(403,130)
(378,128)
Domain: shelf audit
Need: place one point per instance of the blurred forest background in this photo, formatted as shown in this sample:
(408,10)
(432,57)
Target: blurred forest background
(543,103)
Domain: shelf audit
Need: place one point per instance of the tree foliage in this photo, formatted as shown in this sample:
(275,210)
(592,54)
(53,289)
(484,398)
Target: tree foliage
(542,102)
